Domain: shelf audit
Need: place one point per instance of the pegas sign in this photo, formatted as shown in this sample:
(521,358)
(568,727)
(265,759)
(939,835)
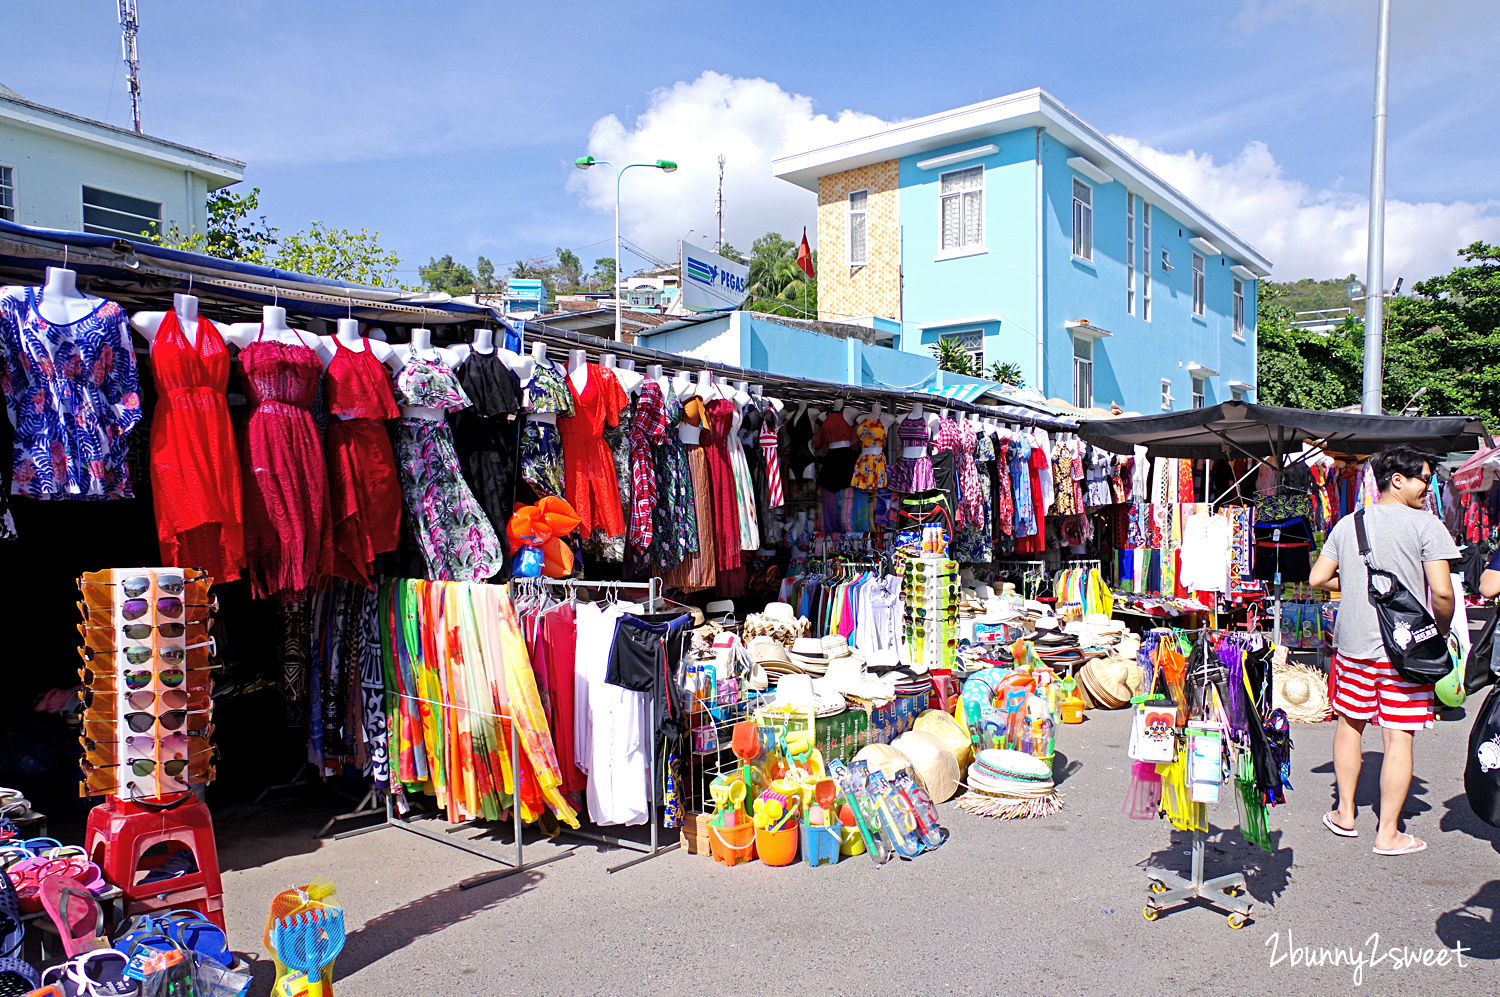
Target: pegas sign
(711,282)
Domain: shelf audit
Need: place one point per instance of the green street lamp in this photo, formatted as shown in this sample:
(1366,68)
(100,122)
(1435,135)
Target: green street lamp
(585,162)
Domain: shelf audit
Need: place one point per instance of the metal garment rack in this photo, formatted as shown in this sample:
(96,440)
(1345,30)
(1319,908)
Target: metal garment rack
(1222,893)
(652,588)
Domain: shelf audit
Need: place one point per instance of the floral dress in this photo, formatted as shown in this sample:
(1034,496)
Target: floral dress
(70,390)
(744,486)
(674,517)
(457,541)
(869,469)
(541,445)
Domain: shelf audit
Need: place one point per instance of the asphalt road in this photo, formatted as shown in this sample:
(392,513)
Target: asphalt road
(1050,905)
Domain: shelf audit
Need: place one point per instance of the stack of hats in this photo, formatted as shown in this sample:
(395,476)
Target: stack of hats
(1302,692)
(808,655)
(768,655)
(910,683)
(1010,785)
(884,758)
(949,733)
(779,622)
(1109,683)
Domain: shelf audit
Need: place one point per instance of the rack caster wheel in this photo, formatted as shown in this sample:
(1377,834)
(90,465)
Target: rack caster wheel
(1238,921)
(1150,913)
(1157,886)
(1233,891)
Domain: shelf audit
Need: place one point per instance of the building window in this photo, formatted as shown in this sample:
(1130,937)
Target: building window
(1083,371)
(1166,395)
(961,193)
(1130,254)
(1083,220)
(1198,268)
(858,245)
(1146,261)
(7,193)
(1237,394)
(107,213)
(1200,392)
(1239,309)
(972,343)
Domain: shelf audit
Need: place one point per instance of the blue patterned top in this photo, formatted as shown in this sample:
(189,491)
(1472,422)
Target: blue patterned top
(70,390)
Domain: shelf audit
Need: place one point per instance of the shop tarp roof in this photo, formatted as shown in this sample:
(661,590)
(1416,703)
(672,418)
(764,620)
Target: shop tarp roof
(1240,429)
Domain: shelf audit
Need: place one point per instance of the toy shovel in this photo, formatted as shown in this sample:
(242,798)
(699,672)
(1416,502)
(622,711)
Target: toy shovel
(309,941)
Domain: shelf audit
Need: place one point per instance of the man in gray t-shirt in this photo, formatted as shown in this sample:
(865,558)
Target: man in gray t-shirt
(1412,544)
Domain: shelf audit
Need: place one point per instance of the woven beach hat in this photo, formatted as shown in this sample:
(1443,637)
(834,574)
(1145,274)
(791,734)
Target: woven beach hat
(835,645)
(793,692)
(883,660)
(1302,692)
(1003,772)
(932,764)
(780,611)
(948,732)
(883,757)
(1111,682)
(767,649)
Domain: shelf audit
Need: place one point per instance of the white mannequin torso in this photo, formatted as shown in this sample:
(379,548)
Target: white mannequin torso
(148,324)
(62,302)
(682,385)
(578,370)
(624,371)
(273,328)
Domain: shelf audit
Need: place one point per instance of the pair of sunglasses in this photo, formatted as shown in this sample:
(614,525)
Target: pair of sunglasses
(171,720)
(145,699)
(170,630)
(171,606)
(140,654)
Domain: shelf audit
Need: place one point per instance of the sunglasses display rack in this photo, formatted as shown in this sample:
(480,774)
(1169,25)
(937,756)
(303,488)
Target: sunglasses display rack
(930,593)
(147,660)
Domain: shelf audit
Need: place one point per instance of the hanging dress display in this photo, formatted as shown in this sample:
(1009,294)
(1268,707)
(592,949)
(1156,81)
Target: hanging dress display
(288,526)
(617,439)
(770,452)
(716,430)
(698,570)
(912,474)
(675,516)
(870,470)
(487,436)
(648,432)
(195,464)
(838,463)
(457,541)
(541,445)
(70,390)
(744,483)
(364,489)
(593,490)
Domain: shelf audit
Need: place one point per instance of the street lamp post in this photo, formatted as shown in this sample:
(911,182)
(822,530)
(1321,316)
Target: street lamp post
(583,163)
(1370,395)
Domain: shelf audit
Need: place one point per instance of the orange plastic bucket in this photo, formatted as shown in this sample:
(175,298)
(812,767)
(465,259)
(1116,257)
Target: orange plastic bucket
(732,845)
(778,847)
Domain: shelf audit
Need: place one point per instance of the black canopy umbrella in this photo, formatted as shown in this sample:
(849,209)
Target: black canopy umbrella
(1240,429)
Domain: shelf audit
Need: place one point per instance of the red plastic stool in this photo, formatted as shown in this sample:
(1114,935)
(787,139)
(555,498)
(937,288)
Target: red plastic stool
(119,835)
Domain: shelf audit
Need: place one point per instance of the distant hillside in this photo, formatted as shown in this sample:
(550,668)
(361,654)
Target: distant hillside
(1308,295)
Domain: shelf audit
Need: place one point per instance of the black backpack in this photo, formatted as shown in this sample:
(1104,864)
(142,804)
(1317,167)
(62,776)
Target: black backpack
(1417,651)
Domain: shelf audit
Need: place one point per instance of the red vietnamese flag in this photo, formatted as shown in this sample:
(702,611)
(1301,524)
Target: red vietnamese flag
(804,255)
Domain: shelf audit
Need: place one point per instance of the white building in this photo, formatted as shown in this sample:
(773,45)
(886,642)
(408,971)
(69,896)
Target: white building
(63,171)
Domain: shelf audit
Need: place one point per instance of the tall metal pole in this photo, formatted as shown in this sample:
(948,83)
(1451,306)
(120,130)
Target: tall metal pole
(1375,267)
(618,174)
(129,25)
(721,204)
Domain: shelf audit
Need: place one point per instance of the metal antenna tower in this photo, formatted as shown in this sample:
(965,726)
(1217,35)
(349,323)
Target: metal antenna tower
(721,204)
(129,25)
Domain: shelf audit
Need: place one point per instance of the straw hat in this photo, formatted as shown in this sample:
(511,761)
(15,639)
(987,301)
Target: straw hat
(883,757)
(932,764)
(948,732)
(764,650)
(793,692)
(1111,682)
(883,660)
(1009,785)
(779,611)
(835,645)
(1302,692)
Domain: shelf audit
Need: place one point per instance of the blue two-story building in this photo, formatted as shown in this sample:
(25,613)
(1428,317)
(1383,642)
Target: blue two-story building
(1019,230)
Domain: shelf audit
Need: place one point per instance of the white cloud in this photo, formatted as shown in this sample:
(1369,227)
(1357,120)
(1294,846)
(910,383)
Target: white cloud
(750,121)
(1318,233)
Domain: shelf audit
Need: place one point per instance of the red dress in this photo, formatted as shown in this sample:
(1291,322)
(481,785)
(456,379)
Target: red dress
(364,490)
(195,466)
(592,488)
(721,481)
(288,535)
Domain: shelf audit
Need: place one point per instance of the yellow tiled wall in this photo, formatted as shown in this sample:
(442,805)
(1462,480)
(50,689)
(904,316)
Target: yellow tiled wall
(846,292)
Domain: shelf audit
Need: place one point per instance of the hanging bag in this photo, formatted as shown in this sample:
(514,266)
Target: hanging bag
(1482,668)
(1417,651)
(1482,770)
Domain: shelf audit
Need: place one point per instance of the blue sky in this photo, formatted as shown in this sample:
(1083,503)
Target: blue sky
(452,127)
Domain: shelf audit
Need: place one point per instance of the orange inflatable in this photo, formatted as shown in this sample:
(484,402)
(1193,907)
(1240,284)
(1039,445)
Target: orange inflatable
(544,525)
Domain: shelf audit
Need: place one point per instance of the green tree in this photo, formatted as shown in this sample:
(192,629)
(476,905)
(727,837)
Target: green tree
(730,253)
(779,287)
(447,275)
(484,274)
(569,271)
(232,233)
(1007,373)
(1445,337)
(341,254)
(953,356)
(1300,368)
(604,272)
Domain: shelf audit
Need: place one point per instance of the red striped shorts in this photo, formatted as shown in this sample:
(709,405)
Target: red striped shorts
(1373,690)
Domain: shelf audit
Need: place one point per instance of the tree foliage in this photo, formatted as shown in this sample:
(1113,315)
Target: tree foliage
(777,286)
(448,275)
(1444,337)
(235,232)
(569,270)
(953,356)
(1007,373)
(604,273)
(730,253)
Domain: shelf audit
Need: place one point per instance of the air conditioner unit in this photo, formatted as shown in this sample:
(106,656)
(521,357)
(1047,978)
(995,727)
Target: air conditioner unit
(1166,260)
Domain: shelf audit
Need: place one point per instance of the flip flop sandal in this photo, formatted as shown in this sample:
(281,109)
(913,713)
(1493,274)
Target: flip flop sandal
(77,914)
(149,935)
(1342,832)
(88,874)
(201,936)
(37,846)
(66,852)
(1417,845)
(101,973)
(12,930)
(17,978)
(25,876)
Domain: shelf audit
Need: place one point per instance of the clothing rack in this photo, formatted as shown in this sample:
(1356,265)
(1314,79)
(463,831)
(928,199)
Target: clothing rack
(654,599)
